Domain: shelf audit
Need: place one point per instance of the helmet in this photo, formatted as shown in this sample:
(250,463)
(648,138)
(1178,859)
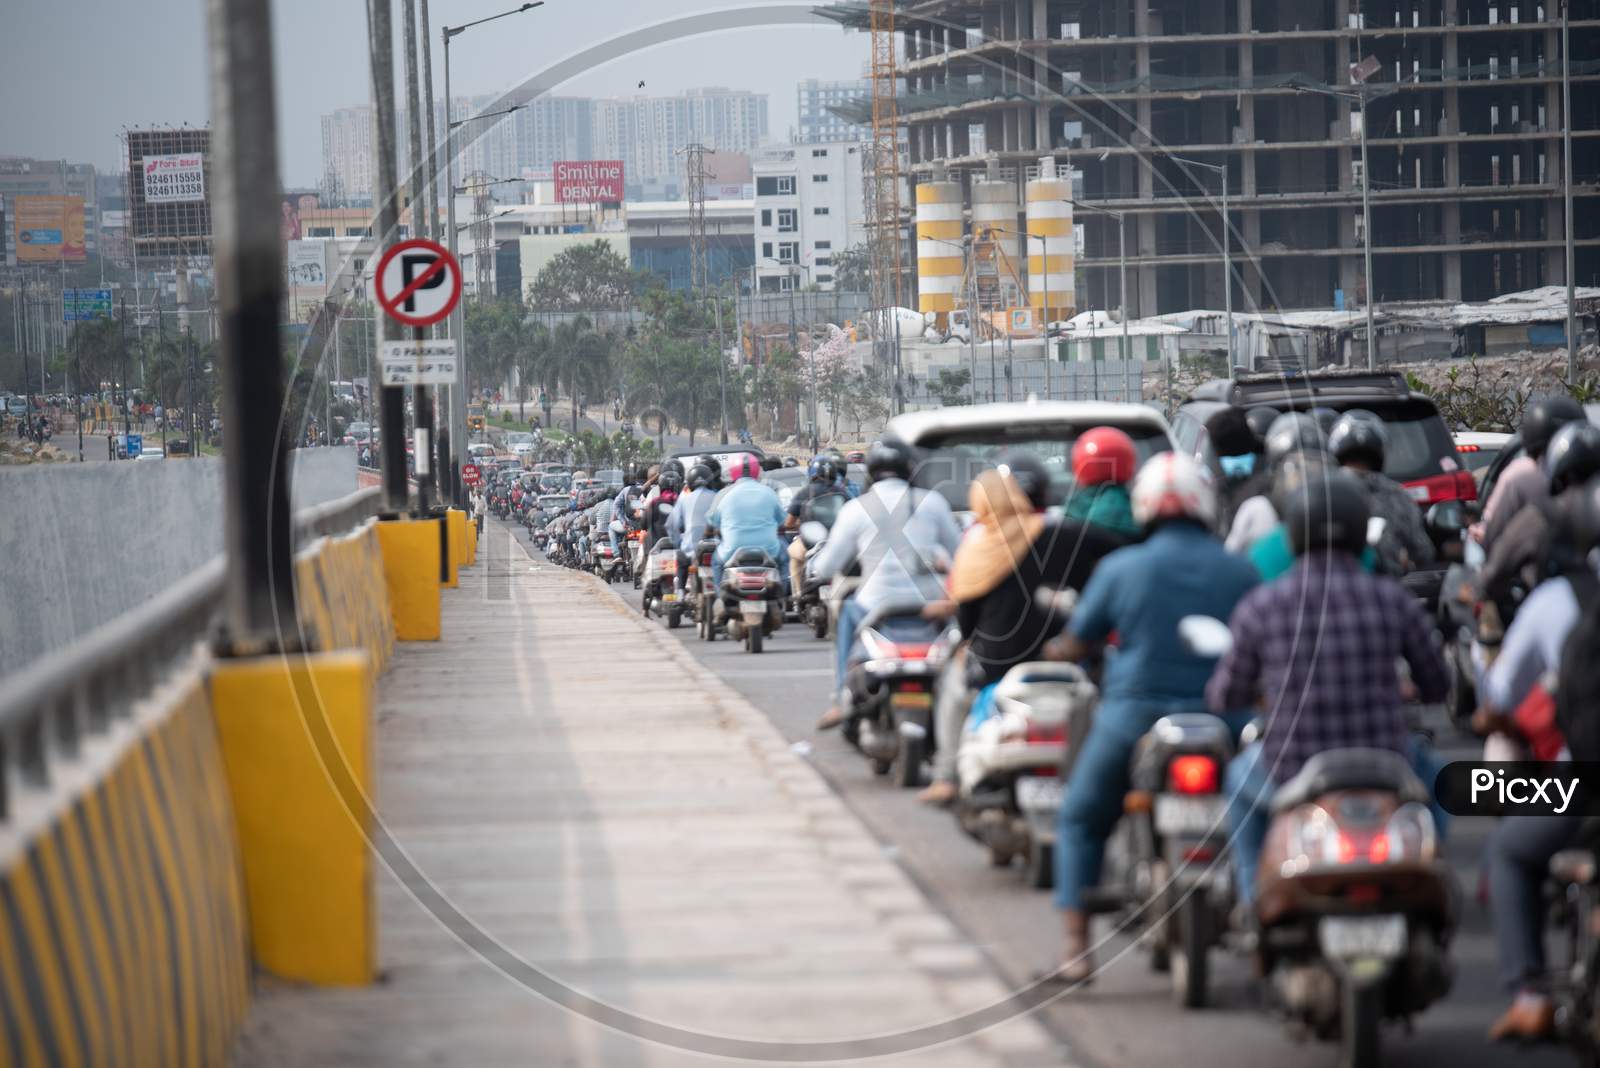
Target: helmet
(1171,486)
(1294,471)
(1103,454)
(745,465)
(670,481)
(1229,432)
(1573,455)
(1585,517)
(699,476)
(675,466)
(1359,437)
(822,469)
(1328,513)
(1260,418)
(1293,432)
(1030,473)
(1543,417)
(1325,417)
(713,465)
(889,457)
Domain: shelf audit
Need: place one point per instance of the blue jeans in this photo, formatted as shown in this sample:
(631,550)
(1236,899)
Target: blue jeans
(850,616)
(1250,791)
(1519,858)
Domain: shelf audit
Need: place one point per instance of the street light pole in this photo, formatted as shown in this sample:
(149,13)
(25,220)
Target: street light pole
(392,403)
(1227,251)
(1566,185)
(722,368)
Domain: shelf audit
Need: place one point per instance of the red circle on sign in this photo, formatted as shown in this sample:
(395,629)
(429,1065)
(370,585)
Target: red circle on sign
(443,262)
(469,472)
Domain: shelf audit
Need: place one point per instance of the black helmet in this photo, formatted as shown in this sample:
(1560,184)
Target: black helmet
(1293,472)
(1328,513)
(699,476)
(822,469)
(1359,437)
(1584,517)
(889,457)
(670,480)
(1294,432)
(1260,418)
(714,465)
(1543,417)
(1030,473)
(674,466)
(1573,456)
(1325,417)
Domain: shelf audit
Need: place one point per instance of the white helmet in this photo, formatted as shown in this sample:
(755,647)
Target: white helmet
(1171,486)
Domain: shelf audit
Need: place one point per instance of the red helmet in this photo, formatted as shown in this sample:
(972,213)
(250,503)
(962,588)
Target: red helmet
(745,465)
(1104,454)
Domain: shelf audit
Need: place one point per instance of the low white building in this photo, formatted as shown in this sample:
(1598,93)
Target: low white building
(809,207)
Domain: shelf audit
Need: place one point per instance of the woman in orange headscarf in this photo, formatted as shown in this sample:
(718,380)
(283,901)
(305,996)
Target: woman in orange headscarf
(1012,550)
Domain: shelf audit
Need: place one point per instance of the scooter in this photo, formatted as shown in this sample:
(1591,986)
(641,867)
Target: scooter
(1355,907)
(750,602)
(1011,765)
(1574,893)
(660,596)
(889,680)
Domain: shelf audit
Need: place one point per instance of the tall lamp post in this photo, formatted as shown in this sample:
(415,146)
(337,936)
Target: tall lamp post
(1359,97)
(1566,186)
(1227,255)
(458,397)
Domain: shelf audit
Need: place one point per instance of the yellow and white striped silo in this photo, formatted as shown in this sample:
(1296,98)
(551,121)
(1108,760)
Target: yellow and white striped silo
(939,253)
(994,204)
(1050,218)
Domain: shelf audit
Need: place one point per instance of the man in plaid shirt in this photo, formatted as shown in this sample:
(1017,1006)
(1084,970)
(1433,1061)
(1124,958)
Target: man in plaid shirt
(1318,648)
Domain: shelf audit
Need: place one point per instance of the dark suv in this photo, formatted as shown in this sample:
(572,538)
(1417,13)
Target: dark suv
(1421,457)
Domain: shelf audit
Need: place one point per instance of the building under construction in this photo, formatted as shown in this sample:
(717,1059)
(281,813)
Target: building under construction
(1463,116)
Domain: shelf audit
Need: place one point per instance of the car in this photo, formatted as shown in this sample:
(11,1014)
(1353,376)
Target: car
(610,477)
(962,442)
(16,406)
(521,443)
(149,453)
(479,451)
(1477,450)
(1422,456)
(361,433)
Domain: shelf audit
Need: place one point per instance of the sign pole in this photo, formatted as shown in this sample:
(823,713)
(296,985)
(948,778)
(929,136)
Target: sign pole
(422,441)
(391,399)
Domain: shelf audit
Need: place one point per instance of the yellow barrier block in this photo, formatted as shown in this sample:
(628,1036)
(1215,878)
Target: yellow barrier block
(296,739)
(448,576)
(411,572)
(458,537)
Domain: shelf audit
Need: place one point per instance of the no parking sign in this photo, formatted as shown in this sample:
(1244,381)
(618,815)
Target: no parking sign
(418,282)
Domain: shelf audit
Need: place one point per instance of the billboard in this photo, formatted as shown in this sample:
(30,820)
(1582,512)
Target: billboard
(49,229)
(82,305)
(174,179)
(590,181)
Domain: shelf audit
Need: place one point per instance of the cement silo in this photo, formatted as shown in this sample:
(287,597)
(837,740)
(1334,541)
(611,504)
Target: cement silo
(939,252)
(1051,289)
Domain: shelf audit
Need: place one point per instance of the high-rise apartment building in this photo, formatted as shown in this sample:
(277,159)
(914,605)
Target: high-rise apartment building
(810,207)
(816,122)
(647,133)
(347,156)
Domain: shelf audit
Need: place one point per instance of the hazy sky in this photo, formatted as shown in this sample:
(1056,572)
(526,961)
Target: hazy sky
(74,72)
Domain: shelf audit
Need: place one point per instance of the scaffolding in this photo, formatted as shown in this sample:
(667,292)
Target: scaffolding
(694,161)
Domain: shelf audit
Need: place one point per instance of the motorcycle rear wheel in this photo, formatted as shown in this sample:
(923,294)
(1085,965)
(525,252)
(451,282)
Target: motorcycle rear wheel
(1041,865)
(674,617)
(1189,961)
(908,762)
(1361,1013)
(752,639)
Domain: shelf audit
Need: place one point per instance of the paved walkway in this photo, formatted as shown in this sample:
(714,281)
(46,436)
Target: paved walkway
(656,847)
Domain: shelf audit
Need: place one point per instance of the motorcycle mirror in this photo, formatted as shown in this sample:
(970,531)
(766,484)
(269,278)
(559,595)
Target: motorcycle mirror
(1205,636)
(1376,525)
(813,533)
(1446,520)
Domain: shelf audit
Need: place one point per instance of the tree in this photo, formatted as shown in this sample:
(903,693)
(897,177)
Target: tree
(578,360)
(866,399)
(950,386)
(589,277)
(852,269)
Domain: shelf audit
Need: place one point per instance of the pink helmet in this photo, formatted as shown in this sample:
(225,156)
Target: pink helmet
(745,465)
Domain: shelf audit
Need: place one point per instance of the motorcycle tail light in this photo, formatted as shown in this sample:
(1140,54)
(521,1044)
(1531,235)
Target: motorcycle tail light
(1408,836)
(1045,733)
(749,580)
(912,687)
(1193,774)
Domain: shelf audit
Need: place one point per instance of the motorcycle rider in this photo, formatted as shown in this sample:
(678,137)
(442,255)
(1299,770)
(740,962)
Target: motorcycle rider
(622,505)
(747,516)
(822,481)
(1291,434)
(899,535)
(1238,450)
(1517,701)
(1359,441)
(1318,649)
(1522,482)
(1104,460)
(686,526)
(1013,549)
(1570,460)
(1140,593)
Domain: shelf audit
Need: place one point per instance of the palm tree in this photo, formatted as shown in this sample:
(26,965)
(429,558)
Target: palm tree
(528,343)
(578,360)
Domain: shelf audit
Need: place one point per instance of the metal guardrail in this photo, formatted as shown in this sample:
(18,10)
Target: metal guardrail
(50,707)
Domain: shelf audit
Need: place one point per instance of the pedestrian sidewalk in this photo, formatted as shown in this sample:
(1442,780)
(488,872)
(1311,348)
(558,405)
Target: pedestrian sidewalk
(607,812)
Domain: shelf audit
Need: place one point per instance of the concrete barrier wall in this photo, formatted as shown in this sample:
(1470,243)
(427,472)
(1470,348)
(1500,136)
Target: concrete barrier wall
(205,831)
(80,544)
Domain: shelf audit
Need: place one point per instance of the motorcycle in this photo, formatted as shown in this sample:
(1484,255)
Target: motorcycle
(750,602)
(813,599)
(660,584)
(890,680)
(702,601)
(1011,765)
(1574,893)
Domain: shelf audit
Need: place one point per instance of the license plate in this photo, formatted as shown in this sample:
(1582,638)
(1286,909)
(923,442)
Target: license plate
(753,609)
(669,597)
(1036,792)
(910,700)
(1356,937)
(1188,815)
